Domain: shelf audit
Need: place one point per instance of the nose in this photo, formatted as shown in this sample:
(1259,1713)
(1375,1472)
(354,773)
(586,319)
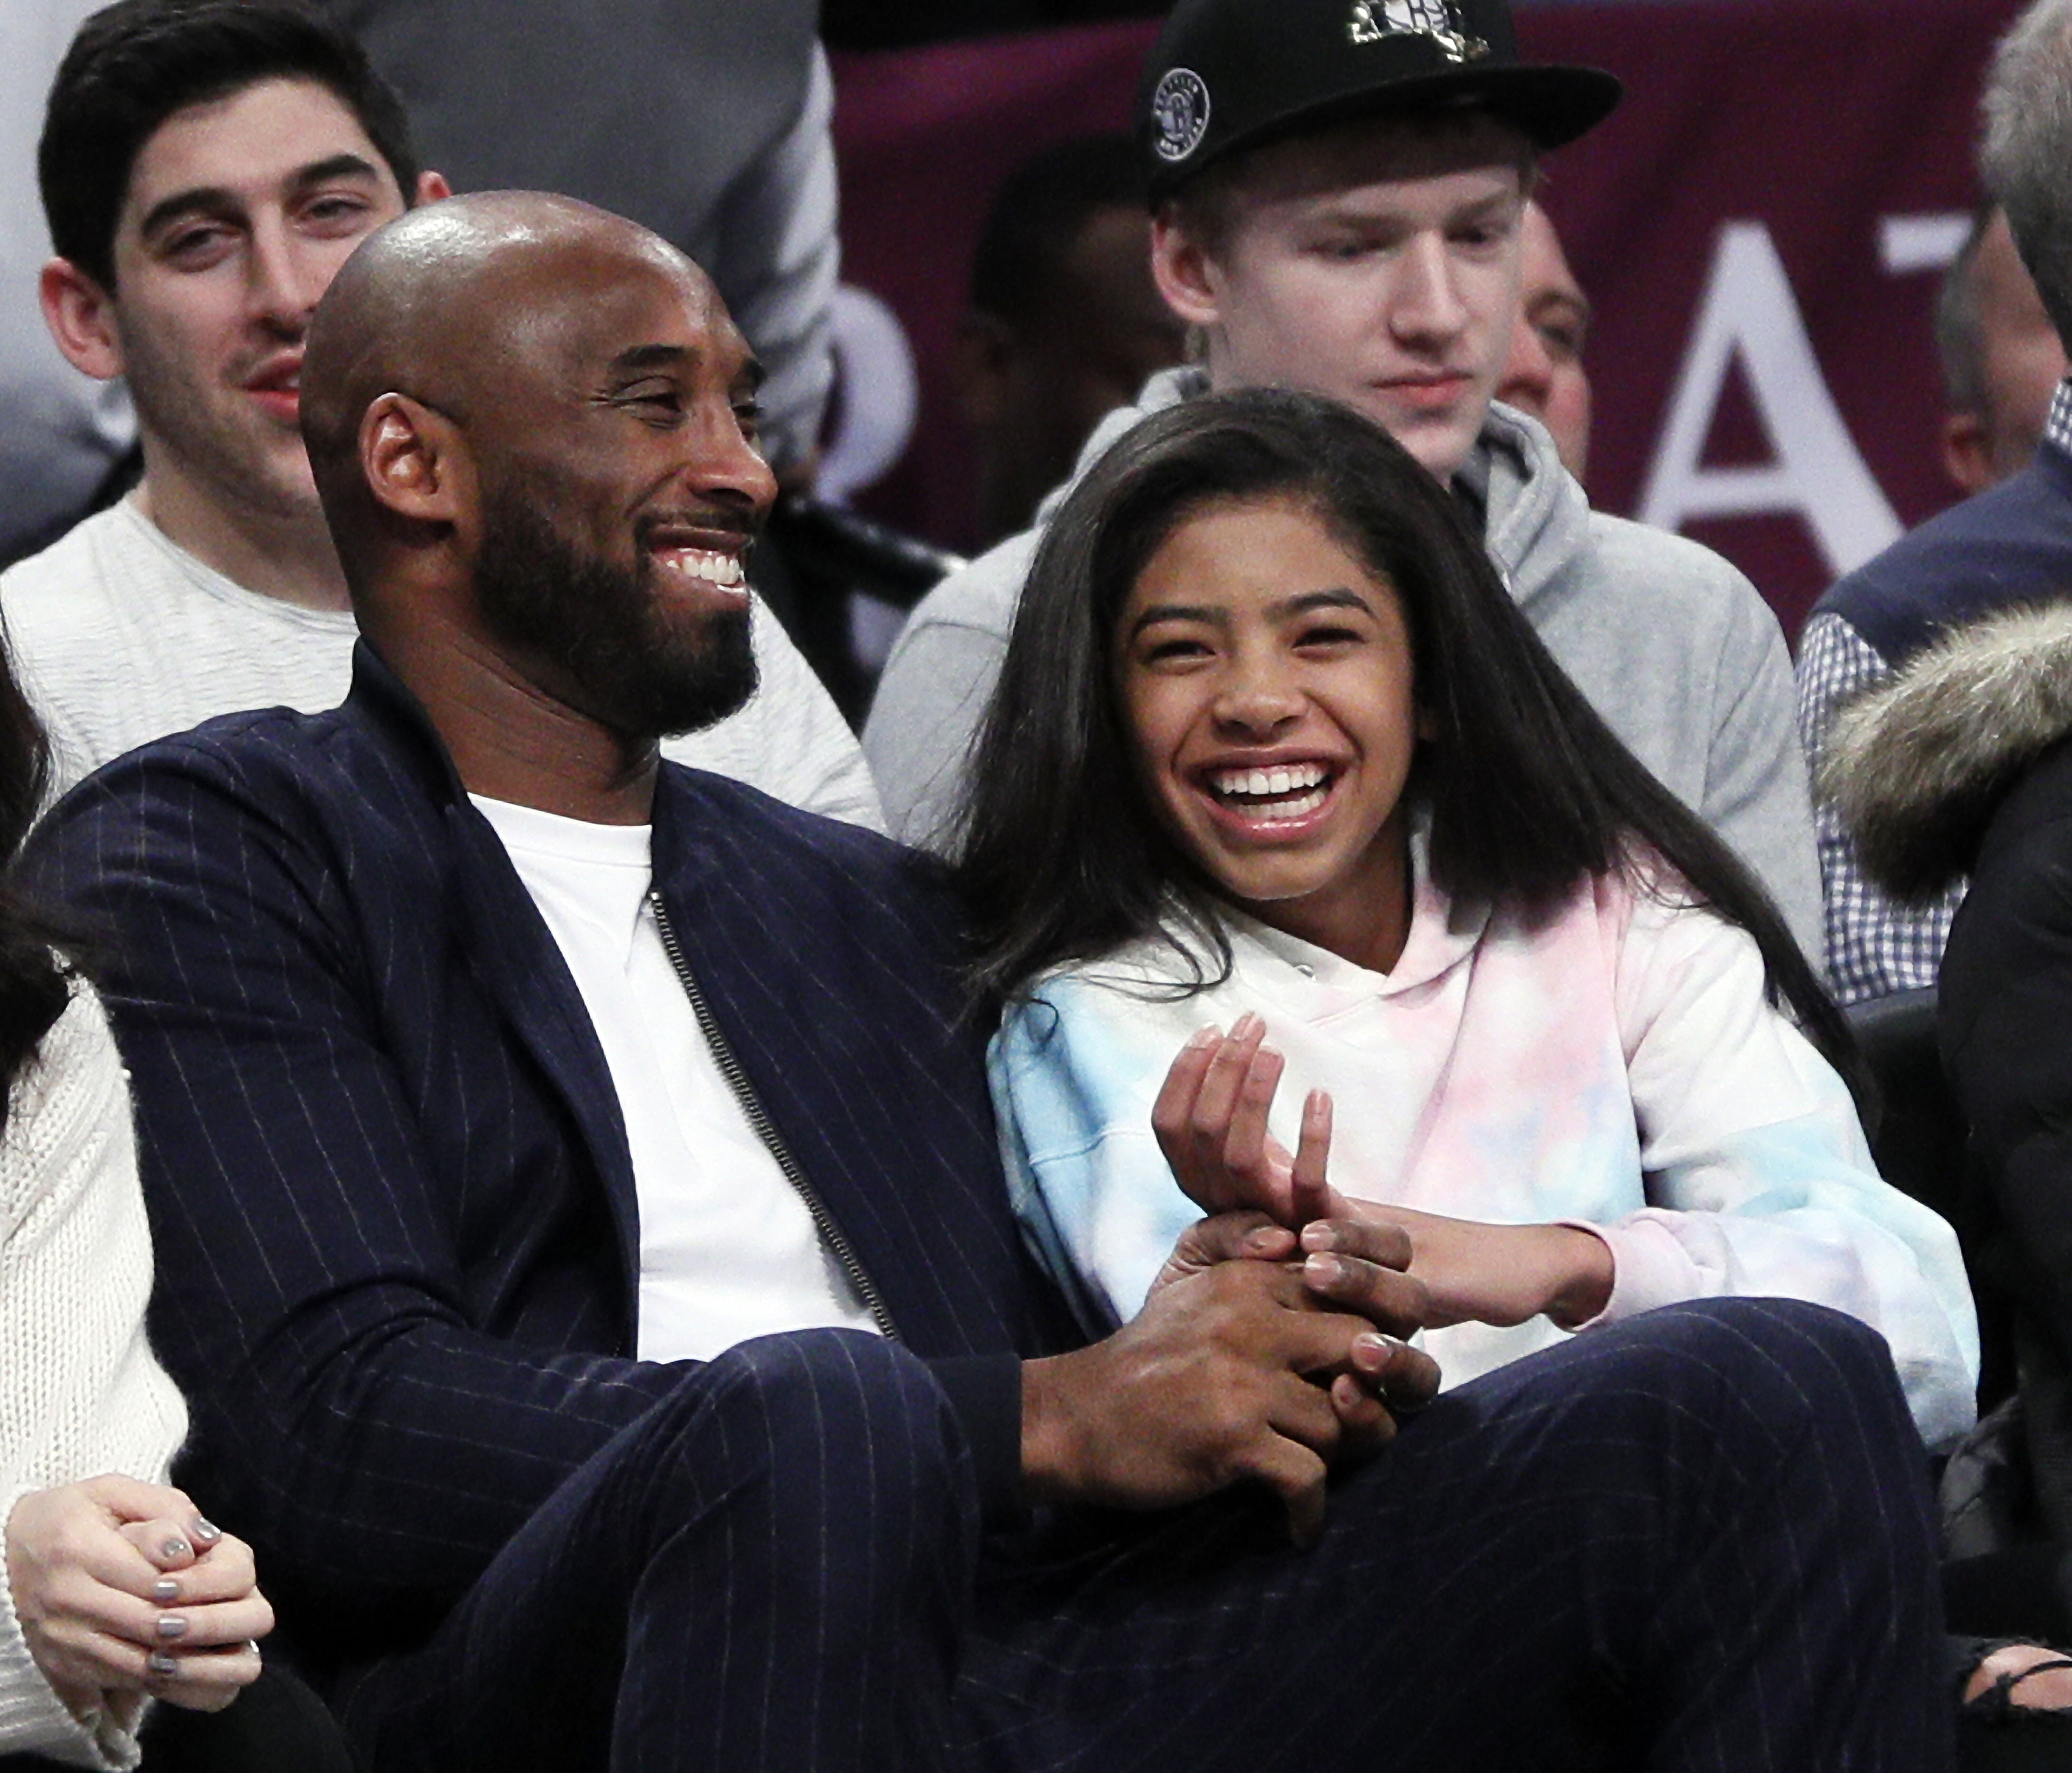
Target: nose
(1256,701)
(726,465)
(1529,377)
(283,283)
(1426,305)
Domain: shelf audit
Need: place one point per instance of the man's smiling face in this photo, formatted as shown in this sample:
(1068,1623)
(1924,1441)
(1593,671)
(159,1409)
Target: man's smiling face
(621,488)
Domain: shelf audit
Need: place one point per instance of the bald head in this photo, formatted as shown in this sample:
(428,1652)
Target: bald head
(461,308)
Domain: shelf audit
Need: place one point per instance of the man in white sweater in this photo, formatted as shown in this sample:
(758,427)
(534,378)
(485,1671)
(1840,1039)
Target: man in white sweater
(206,165)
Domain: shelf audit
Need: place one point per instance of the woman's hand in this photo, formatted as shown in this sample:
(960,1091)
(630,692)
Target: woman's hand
(1211,1122)
(121,1588)
(1500,1274)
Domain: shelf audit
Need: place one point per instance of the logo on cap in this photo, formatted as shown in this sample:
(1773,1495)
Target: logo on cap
(1439,20)
(1179,114)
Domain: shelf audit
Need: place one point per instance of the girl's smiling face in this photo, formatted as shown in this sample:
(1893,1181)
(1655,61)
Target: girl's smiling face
(1265,675)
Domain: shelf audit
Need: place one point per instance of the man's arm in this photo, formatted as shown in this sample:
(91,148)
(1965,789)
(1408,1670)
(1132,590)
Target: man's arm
(352,1416)
(1755,796)
(1874,947)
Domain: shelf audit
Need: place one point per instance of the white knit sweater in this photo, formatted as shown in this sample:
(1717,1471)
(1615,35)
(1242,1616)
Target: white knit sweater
(79,1392)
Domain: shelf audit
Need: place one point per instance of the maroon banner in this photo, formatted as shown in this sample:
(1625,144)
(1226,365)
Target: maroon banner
(1762,227)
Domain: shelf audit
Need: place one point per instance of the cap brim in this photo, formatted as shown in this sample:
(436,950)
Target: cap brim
(1552,106)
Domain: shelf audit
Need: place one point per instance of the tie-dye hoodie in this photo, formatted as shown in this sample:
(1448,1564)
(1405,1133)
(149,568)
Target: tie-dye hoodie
(1615,1067)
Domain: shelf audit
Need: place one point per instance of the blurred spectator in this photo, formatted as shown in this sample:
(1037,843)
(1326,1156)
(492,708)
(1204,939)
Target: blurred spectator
(2001,357)
(1065,322)
(2010,543)
(64,435)
(206,165)
(707,122)
(1545,376)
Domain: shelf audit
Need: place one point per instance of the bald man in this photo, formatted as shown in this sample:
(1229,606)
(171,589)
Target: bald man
(581,1233)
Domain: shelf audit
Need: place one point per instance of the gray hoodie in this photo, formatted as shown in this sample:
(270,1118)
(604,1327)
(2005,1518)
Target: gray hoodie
(1672,646)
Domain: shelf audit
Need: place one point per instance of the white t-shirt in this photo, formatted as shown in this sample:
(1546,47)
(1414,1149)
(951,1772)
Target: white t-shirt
(728,1248)
(121,636)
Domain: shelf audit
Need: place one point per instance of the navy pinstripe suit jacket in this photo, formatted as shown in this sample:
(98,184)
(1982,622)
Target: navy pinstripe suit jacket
(388,1182)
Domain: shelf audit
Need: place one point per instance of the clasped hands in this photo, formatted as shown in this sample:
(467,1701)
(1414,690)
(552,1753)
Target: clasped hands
(1269,1346)
(122,1589)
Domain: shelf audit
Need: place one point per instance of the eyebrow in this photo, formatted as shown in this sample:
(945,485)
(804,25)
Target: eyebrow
(639,358)
(1339,597)
(215,198)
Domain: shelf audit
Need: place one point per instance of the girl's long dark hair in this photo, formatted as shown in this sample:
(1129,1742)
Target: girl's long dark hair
(34,982)
(1062,858)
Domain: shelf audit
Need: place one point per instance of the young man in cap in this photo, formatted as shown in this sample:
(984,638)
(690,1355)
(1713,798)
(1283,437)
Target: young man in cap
(1337,192)
(206,166)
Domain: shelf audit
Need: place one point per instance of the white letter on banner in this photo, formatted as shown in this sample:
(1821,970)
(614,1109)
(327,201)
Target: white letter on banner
(1818,473)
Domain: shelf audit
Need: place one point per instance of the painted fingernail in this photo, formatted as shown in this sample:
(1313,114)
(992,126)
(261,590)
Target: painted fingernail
(174,1548)
(165,1589)
(171,1625)
(206,1532)
(160,1663)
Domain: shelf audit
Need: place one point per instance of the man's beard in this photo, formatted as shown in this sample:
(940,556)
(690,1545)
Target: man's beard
(637,672)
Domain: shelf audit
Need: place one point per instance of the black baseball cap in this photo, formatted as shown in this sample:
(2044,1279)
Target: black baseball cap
(1231,74)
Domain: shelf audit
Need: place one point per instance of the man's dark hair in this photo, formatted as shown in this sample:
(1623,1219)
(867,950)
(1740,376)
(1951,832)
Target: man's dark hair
(135,64)
(1039,212)
(1063,857)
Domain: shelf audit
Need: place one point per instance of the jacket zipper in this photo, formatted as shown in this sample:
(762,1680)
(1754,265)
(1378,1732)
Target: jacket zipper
(744,1093)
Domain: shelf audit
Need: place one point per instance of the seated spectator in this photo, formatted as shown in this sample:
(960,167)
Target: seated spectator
(584,1233)
(1273,751)
(1544,375)
(2002,359)
(2009,545)
(1957,766)
(1338,207)
(117,1589)
(1063,324)
(206,165)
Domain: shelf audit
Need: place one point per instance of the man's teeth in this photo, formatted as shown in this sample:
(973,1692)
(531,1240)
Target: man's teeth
(697,563)
(1286,791)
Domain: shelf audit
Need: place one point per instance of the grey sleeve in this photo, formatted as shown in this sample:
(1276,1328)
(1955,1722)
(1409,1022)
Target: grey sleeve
(778,261)
(1756,796)
(924,721)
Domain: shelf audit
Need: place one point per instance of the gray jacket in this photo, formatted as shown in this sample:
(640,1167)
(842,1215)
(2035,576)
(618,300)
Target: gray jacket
(1670,645)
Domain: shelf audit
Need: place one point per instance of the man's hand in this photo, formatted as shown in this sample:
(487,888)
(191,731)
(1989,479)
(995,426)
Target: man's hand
(121,1589)
(1211,1122)
(1499,1274)
(1235,1368)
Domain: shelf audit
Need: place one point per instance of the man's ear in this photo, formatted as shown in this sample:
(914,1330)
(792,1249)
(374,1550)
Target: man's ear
(1967,454)
(81,317)
(431,188)
(1187,275)
(415,460)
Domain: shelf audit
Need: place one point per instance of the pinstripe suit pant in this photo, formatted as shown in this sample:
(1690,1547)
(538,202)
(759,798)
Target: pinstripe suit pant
(1700,1540)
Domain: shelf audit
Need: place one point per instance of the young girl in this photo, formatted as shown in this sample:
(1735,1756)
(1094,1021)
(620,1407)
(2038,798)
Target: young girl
(1274,753)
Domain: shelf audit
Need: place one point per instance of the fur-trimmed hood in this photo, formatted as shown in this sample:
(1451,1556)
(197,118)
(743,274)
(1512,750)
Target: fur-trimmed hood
(1917,763)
